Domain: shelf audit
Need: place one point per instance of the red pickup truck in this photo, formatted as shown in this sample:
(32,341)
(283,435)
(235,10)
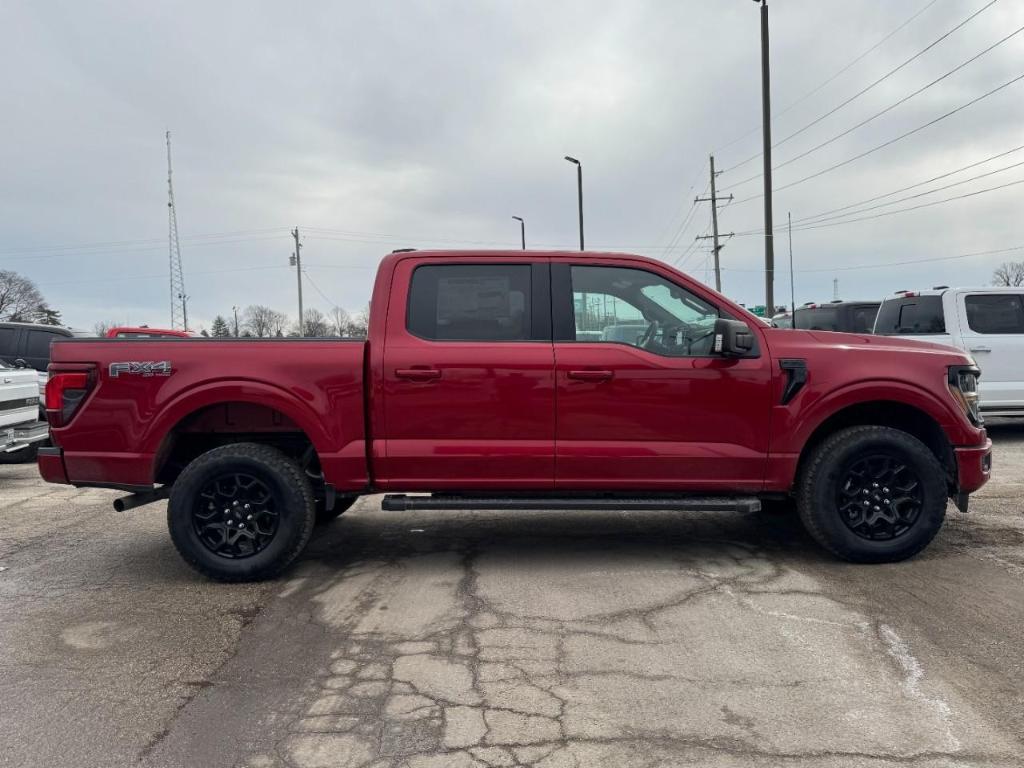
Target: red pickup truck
(522,380)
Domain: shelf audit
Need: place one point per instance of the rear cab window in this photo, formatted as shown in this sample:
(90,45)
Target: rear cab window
(995,313)
(475,302)
(911,315)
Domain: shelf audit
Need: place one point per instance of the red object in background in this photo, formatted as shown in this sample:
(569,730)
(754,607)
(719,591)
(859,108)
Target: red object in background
(144,332)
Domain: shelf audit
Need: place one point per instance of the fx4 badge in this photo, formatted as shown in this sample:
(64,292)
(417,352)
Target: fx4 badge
(145,369)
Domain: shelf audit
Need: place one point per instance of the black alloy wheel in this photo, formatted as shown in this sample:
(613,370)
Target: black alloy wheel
(235,515)
(879,496)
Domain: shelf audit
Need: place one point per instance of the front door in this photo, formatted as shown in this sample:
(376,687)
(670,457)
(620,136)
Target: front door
(643,402)
(468,377)
(992,325)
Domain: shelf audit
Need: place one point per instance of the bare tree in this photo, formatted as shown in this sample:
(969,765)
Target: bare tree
(315,323)
(341,319)
(101,327)
(1009,273)
(20,299)
(262,321)
(358,323)
(278,324)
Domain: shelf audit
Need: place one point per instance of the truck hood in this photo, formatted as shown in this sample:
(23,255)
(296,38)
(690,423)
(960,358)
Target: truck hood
(797,342)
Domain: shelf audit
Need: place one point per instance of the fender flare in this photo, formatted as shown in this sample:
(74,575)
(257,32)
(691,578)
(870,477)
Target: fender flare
(204,395)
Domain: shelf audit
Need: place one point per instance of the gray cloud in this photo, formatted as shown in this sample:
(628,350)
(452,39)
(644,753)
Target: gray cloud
(433,122)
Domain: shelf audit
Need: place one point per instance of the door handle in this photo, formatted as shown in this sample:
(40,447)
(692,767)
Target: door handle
(981,349)
(418,374)
(591,375)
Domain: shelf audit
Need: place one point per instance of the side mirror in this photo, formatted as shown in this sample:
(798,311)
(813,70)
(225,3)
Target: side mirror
(732,338)
(20,363)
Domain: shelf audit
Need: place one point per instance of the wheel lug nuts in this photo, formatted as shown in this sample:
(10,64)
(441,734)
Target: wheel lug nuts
(248,517)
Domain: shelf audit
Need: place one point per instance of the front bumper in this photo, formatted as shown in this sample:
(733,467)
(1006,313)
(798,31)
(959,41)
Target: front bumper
(973,467)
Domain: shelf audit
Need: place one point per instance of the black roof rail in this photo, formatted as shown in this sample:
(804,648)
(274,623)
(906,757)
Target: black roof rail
(403,250)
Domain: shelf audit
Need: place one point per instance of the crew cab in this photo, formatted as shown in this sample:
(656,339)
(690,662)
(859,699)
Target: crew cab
(488,381)
(987,323)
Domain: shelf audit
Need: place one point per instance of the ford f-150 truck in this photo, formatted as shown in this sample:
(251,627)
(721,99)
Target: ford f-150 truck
(501,380)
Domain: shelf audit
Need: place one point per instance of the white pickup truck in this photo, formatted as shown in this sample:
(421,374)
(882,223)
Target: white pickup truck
(21,431)
(987,323)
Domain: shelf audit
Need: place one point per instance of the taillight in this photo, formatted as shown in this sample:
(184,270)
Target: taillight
(65,391)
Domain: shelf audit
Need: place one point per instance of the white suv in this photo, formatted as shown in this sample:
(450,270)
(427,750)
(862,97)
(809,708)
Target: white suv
(987,323)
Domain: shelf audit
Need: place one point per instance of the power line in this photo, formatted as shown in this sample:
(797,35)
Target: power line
(899,210)
(910,262)
(890,142)
(904,100)
(831,79)
(864,90)
(830,215)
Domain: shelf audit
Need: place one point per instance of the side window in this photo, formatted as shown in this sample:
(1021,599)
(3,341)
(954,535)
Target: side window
(995,313)
(9,342)
(920,315)
(818,319)
(471,302)
(862,318)
(38,345)
(641,309)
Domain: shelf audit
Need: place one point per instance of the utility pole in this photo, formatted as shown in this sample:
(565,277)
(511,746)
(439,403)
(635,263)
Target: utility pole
(766,121)
(792,288)
(296,260)
(714,224)
(235,310)
(835,289)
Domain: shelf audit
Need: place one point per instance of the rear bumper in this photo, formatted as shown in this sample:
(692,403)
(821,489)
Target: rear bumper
(51,465)
(974,466)
(23,435)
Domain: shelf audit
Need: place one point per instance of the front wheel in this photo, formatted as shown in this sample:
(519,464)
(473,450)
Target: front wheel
(872,494)
(241,512)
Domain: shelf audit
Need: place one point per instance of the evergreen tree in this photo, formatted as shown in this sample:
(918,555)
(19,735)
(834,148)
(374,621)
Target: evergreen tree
(219,329)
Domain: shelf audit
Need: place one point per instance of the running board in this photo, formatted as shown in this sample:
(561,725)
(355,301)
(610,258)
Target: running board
(400,502)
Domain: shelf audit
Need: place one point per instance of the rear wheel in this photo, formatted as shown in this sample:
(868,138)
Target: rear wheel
(241,512)
(872,494)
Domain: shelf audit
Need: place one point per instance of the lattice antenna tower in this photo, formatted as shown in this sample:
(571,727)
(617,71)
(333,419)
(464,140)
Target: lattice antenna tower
(179,314)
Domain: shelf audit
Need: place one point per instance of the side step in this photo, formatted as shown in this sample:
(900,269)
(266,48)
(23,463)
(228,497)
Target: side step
(400,502)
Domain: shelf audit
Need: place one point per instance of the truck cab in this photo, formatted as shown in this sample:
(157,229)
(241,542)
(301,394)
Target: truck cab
(987,323)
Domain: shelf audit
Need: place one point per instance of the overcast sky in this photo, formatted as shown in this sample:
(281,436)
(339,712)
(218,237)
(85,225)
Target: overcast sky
(377,125)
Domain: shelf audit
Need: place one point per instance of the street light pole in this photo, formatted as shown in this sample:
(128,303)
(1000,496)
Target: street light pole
(766,120)
(579,191)
(522,229)
(297,262)
(235,310)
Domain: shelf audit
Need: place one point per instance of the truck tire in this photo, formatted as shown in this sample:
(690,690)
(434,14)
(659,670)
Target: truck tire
(872,494)
(342,504)
(241,512)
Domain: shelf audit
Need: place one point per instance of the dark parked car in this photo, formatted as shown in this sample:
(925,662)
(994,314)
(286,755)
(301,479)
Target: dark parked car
(844,316)
(31,342)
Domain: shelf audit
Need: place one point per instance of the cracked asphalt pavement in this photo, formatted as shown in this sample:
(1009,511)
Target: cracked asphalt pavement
(422,640)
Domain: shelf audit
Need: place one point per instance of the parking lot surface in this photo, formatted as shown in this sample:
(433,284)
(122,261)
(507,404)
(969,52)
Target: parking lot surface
(511,639)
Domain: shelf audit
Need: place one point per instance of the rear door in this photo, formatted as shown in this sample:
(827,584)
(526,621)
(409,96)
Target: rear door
(468,376)
(992,325)
(651,408)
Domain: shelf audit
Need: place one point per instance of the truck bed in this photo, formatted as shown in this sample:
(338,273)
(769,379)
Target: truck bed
(149,393)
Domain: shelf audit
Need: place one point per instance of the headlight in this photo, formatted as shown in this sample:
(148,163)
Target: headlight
(963,384)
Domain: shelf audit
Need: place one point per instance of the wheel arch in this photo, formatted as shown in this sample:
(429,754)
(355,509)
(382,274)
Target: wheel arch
(893,413)
(213,416)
